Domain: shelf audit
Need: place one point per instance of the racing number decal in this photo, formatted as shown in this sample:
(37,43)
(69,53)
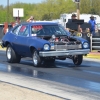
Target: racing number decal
(37,27)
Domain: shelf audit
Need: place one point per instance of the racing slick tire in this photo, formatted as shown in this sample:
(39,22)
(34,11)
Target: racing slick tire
(77,59)
(36,59)
(12,56)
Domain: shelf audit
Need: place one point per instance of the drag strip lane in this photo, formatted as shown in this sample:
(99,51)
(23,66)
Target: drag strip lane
(85,76)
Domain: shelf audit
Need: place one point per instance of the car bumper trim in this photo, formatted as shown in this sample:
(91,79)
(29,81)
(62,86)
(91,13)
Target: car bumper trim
(64,53)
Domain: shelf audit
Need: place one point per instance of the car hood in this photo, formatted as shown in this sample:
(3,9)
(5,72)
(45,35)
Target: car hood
(43,41)
(82,40)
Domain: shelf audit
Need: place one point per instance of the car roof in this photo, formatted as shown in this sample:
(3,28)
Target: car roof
(40,23)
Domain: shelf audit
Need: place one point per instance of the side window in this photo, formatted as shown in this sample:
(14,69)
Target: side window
(26,33)
(23,31)
(16,30)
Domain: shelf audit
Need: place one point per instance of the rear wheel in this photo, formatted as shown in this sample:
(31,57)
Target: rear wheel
(12,56)
(36,59)
(77,59)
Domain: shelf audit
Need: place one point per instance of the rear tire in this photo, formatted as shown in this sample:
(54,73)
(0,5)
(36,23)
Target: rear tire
(77,59)
(12,56)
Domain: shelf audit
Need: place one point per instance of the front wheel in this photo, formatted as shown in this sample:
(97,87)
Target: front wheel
(36,59)
(77,59)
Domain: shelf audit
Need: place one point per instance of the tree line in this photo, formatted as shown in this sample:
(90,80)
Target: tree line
(48,9)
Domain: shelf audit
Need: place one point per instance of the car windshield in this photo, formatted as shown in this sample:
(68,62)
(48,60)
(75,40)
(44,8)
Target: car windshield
(48,30)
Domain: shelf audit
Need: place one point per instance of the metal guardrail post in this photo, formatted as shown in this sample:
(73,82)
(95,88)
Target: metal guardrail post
(91,42)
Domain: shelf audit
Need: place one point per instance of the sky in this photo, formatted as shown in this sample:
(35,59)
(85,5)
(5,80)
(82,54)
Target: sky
(4,2)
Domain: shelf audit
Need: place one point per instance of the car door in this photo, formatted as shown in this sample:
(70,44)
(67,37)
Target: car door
(21,41)
(13,37)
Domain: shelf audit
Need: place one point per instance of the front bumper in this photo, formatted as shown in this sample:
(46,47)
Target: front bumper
(64,53)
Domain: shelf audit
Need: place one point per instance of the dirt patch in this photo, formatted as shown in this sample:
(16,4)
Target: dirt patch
(12,92)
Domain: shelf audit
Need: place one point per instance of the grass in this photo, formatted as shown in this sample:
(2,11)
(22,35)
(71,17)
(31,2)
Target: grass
(93,55)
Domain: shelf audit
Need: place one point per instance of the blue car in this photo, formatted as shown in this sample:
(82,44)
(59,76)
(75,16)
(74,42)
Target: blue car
(43,41)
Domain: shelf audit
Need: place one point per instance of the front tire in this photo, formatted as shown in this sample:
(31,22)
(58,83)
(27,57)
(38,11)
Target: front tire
(36,59)
(12,56)
(77,59)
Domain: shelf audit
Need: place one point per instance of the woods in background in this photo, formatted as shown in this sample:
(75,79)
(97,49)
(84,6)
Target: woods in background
(49,9)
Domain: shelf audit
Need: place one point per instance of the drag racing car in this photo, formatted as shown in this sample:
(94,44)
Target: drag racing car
(43,41)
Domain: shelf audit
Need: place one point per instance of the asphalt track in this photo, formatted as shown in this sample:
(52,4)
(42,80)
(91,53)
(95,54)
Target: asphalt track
(59,78)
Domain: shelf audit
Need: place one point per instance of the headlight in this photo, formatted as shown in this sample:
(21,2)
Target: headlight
(85,45)
(46,47)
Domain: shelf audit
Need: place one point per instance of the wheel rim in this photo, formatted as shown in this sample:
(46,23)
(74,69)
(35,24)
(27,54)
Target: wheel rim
(9,53)
(35,59)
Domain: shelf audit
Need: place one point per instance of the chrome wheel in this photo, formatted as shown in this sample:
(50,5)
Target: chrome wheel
(12,56)
(9,53)
(35,59)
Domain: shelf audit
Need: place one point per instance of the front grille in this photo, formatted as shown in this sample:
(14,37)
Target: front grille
(67,47)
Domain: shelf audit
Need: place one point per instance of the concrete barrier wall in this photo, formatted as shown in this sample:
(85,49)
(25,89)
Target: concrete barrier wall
(1,30)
